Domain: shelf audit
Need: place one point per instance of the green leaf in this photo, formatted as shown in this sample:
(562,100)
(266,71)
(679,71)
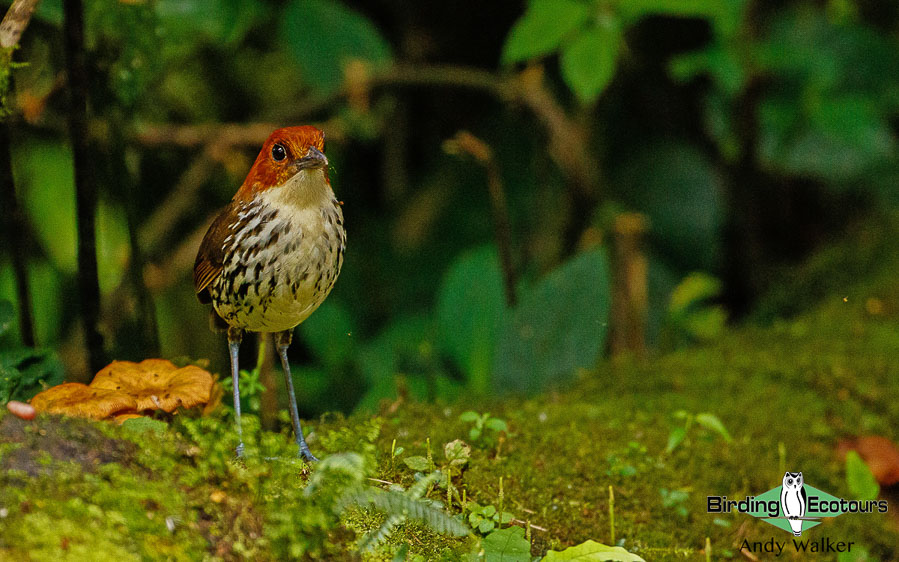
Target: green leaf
(496,424)
(561,325)
(469,416)
(322,36)
(113,248)
(45,177)
(675,438)
(711,421)
(486,525)
(543,27)
(488,511)
(457,452)
(589,61)
(471,310)
(505,517)
(474,433)
(592,551)
(418,463)
(695,288)
(859,478)
(506,545)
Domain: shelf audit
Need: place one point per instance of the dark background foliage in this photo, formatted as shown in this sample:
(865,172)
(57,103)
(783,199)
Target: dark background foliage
(746,133)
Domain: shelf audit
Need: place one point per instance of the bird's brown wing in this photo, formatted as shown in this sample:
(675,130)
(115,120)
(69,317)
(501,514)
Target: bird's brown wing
(211,256)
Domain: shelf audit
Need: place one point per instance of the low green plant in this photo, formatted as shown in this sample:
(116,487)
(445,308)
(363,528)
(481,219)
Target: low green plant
(675,500)
(485,429)
(399,505)
(685,422)
(486,518)
(24,371)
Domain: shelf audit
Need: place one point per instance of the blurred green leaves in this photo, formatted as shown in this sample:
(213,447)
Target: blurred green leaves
(588,63)
(542,28)
(471,311)
(559,326)
(859,479)
(24,371)
(323,35)
(44,172)
(691,315)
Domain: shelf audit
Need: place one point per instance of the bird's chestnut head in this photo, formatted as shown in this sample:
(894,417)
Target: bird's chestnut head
(287,152)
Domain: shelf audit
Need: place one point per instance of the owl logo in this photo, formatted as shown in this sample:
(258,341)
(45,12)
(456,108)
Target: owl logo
(793,501)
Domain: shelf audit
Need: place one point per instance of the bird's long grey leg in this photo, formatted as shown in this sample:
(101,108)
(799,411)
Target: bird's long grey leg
(235,335)
(283,342)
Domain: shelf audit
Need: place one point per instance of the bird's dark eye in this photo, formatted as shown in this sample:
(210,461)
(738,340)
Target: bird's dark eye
(278,152)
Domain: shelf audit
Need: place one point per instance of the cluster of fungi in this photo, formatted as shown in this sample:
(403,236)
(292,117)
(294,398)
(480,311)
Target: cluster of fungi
(124,390)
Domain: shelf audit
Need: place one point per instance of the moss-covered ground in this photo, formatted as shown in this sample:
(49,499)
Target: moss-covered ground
(786,389)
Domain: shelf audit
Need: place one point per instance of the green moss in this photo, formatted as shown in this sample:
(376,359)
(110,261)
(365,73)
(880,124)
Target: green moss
(80,490)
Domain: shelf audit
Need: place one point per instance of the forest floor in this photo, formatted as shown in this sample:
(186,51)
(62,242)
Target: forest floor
(818,363)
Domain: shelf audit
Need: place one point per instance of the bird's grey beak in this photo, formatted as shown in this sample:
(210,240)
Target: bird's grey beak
(314,158)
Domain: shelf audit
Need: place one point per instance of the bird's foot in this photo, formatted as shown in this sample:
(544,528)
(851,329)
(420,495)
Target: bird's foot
(306,454)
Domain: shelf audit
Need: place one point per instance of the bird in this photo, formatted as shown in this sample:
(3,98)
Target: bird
(793,500)
(273,254)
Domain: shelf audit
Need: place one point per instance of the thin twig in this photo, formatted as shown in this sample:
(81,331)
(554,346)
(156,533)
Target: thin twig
(466,143)
(15,21)
(85,186)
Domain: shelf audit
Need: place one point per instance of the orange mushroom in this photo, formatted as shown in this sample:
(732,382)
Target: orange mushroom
(76,399)
(157,384)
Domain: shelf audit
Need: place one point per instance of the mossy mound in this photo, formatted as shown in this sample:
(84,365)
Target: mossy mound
(785,390)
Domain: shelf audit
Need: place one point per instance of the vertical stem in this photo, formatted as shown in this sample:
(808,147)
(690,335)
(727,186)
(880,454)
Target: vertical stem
(611,516)
(16,234)
(629,286)
(502,229)
(85,187)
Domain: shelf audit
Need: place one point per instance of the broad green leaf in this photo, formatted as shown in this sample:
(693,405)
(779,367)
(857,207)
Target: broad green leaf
(471,309)
(45,177)
(724,14)
(675,438)
(113,248)
(711,422)
(506,545)
(329,333)
(418,463)
(457,452)
(322,36)
(496,424)
(590,59)
(559,326)
(694,288)
(840,138)
(592,551)
(223,21)
(543,27)
(707,323)
(468,416)
(859,478)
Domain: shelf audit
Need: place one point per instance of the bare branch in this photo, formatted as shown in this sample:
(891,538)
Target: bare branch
(15,21)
